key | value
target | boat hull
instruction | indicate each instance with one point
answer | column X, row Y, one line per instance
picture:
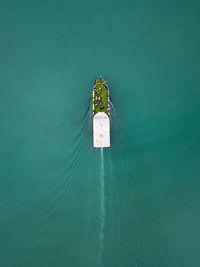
column 101, row 113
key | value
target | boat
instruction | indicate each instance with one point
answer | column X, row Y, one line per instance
column 101, row 113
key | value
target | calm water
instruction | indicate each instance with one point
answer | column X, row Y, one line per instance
column 63, row 203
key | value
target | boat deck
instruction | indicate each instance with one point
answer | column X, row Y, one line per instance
column 101, row 96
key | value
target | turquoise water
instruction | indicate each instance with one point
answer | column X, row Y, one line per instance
column 63, row 203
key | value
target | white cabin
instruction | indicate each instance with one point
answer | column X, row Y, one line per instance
column 101, row 130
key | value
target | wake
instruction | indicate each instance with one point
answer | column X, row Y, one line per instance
column 112, row 106
column 102, row 208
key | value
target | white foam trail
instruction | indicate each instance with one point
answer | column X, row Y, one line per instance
column 112, row 106
column 102, row 207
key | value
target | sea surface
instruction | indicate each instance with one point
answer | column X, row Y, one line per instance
column 64, row 203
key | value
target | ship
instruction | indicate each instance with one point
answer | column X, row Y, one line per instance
column 101, row 113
